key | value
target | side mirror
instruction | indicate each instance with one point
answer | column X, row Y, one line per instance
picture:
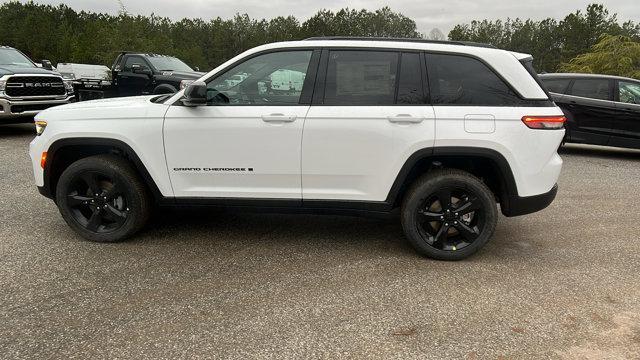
column 195, row 94
column 196, row 68
column 46, row 64
column 139, row 69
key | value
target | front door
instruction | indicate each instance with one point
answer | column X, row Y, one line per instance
column 245, row 143
column 131, row 83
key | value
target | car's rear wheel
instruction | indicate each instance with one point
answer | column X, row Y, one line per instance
column 102, row 198
column 449, row 214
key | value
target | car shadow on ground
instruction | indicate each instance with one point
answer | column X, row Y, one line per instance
column 599, row 151
column 15, row 130
column 209, row 229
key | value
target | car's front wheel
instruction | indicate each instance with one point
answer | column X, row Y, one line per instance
column 102, row 198
column 449, row 214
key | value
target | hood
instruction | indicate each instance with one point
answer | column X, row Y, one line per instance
column 16, row 69
column 112, row 108
column 184, row 75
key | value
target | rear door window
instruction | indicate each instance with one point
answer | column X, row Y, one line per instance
column 591, row 88
column 357, row 77
column 558, row 86
column 462, row 80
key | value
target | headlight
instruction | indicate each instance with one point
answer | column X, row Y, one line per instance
column 3, row 84
column 40, row 126
column 68, row 84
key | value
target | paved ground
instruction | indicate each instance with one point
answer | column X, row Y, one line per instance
column 562, row 283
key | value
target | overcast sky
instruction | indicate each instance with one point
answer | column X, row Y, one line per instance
column 427, row 14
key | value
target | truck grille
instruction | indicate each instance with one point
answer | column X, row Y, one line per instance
column 23, row 86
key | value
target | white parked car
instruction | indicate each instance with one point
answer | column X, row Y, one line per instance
column 442, row 131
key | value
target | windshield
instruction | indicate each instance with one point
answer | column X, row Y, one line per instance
column 168, row 63
column 14, row 57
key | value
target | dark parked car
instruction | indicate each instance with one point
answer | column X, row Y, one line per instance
column 141, row 74
column 600, row 109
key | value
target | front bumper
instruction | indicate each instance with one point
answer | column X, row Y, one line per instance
column 16, row 108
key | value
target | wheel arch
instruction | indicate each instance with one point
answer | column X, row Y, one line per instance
column 487, row 164
column 64, row 152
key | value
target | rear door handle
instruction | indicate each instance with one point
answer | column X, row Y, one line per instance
column 278, row 118
column 404, row 119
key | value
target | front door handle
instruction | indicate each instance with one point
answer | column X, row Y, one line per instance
column 404, row 119
column 278, row 118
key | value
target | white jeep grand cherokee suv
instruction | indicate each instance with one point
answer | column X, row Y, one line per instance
column 442, row 131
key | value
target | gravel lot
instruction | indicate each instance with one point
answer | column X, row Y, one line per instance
column 561, row 283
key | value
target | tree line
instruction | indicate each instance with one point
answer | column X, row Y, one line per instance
column 61, row 34
column 553, row 44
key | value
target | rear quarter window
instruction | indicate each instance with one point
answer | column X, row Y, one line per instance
column 462, row 80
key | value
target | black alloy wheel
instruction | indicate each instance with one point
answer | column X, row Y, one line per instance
column 97, row 202
column 103, row 199
column 448, row 214
column 450, row 219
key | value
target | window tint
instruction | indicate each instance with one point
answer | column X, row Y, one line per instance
column 462, row 80
column 591, row 88
column 629, row 92
column 269, row 79
column 558, row 86
column 361, row 78
column 410, row 80
column 133, row 60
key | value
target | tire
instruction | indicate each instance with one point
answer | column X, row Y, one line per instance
column 452, row 235
column 125, row 210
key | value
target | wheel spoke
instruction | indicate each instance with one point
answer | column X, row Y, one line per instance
column 441, row 236
column 444, row 196
column 94, row 221
column 113, row 191
column 115, row 214
column 469, row 206
column 91, row 179
column 77, row 200
column 430, row 216
column 467, row 232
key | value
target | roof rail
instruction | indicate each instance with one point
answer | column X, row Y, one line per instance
column 416, row 40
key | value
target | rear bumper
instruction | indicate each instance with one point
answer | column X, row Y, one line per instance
column 17, row 108
column 517, row 205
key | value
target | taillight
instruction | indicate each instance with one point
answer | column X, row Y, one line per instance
column 544, row 122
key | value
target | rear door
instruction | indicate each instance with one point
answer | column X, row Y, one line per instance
column 627, row 121
column 369, row 113
column 591, row 110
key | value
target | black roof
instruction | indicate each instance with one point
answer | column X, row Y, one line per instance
column 416, row 40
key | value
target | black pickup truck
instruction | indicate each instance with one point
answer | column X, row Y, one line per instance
column 134, row 73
